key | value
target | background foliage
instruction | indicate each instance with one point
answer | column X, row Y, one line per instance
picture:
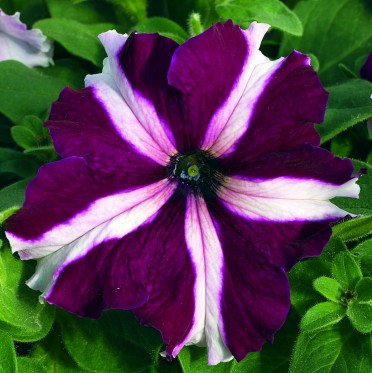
column 330, row 323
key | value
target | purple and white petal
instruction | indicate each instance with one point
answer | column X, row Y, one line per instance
column 67, row 200
column 206, row 255
column 30, row 47
column 275, row 112
column 88, row 123
column 255, row 293
column 148, row 270
column 284, row 199
column 305, row 162
column 134, row 112
column 212, row 70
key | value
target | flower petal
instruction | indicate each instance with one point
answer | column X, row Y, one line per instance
column 255, row 294
column 87, row 123
column 30, row 47
column 206, row 254
column 276, row 111
column 211, row 71
column 148, row 269
column 285, row 199
column 136, row 67
column 67, row 199
column 304, row 162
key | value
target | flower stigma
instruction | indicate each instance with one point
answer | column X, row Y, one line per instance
column 196, row 171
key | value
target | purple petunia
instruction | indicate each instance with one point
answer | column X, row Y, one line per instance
column 191, row 180
column 30, row 47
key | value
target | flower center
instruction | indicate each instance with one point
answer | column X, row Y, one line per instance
column 197, row 171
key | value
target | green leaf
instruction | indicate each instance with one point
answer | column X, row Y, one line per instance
column 273, row 12
column 349, row 103
column 88, row 12
column 95, row 348
column 322, row 315
column 14, row 162
column 325, row 25
column 21, row 314
column 11, row 198
column 51, row 354
column 77, row 38
column 8, row 362
column 164, row 27
column 24, row 91
column 363, row 252
column 337, row 349
column 353, row 229
column 23, row 137
column 346, row 271
column 364, row 290
column 362, row 205
column 195, row 24
column 68, row 70
column 329, row 288
column 360, row 315
column 134, row 11
column 29, row 365
column 194, row 359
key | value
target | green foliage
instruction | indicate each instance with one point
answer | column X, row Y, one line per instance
column 8, row 363
column 21, row 314
column 329, row 288
column 360, row 311
column 349, row 104
column 332, row 293
column 273, row 12
column 164, row 27
column 24, row 91
column 332, row 350
column 346, row 270
column 98, row 345
column 322, row 315
column 79, row 39
column 362, row 205
column 336, row 31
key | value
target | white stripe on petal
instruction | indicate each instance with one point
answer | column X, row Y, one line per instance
column 99, row 212
column 49, row 268
column 206, row 254
column 285, row 198
column 138, row 121
column 232, row 119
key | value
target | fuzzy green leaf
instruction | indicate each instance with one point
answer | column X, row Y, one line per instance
column 322, row 315
column 353, row 229
column 349, row 103
column 332, row 350
column 329, row 288
column 8, row 362
column 360, row 315
column 273, row 12
column 29, row 365
column 346, row 270
column 364, row 290
column 23, row 137
column 363, row 252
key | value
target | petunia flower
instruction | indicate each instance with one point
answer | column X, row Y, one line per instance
column 191, row 181
column 30, row 47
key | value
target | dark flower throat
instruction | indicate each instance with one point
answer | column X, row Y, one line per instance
column 196, row 171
